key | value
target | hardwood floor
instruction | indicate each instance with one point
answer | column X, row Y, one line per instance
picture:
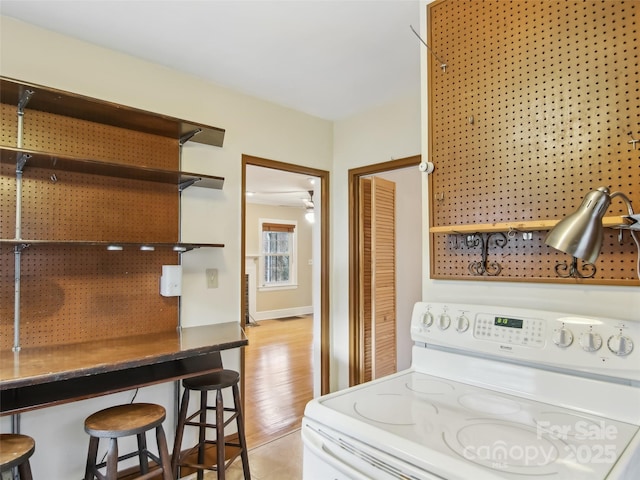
column 278, row 377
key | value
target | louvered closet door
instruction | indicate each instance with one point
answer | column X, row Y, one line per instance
column 383, row 277
column 377, row 278
column 365, row 293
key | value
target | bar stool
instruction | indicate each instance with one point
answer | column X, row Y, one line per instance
column 124, row 421
column 15, row 451
column 214, row 381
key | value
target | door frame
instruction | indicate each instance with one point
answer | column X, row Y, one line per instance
column 325, row 276
column 356, row 327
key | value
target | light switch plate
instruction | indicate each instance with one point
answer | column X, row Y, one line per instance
column 212, row 277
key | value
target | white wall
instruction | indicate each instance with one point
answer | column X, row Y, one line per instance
column 253, row 127
column 385, row 133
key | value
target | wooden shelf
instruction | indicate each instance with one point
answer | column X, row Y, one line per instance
column 115, row 245
column 45, row 99
column 97, row 167
column 524, row 226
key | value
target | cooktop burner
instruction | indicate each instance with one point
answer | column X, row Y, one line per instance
column 506, row 447
column 430, row 387
column 394, row 409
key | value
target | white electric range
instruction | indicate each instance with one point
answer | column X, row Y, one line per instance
column 492, row 393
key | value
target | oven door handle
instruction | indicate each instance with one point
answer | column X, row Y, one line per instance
column 356, row 460
column 316, row 443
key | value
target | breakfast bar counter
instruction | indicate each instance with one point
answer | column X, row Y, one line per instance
column 44, row 376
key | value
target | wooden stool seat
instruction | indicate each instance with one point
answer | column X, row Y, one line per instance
column 123, row 421
column 15, row 451
column 217, row 382
column 212, row 381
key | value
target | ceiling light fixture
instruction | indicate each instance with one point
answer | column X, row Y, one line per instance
column 310, row 213
column 581, row 233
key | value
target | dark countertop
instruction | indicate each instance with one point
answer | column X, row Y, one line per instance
column 36, row 377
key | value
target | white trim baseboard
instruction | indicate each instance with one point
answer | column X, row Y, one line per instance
column 283, row 313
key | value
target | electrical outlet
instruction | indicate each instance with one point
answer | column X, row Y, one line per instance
column 212, row 277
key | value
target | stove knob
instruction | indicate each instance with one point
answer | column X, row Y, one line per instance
column 427, row 319
column 590, row 341
column 563, row 337
column 462, row 323
column 620, row 344
column 444, row 321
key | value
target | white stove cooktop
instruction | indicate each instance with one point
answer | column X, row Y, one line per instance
column 416, row 414
column 493, row 393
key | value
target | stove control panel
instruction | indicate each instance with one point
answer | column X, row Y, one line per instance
column 593, row 344
column 530, row 332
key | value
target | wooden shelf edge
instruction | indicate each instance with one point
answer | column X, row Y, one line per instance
column 625, row 282
column 524, row 226
column 177, row 247
column 37, row 159
column 47, row 99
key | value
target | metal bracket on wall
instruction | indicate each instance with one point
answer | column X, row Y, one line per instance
column 484, row 267
column 572, row 271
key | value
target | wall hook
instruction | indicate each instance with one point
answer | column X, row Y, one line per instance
column 633, row 141
column 443, row 65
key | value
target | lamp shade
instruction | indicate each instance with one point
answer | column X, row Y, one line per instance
column 580, row 234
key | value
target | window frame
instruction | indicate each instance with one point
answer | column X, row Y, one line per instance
column 292, row 283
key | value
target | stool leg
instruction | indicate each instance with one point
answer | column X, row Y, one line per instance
column 202, row 432
column 220, row 435
column 163, row 453
column 112, row 460
column 142, row 453
column 91, row 458
column 177, row 446
column 25, row 471
column 240, row 423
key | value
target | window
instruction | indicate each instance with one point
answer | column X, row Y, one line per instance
column 278, row 240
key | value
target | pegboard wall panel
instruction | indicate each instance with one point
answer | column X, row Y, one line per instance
column 47, row 132
column 8, row 124
column 71, row 293
column 77, row 294
column 78, row 206
column 7, row 201
column 537, row 107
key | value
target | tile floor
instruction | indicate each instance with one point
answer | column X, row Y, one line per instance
column 279, row 459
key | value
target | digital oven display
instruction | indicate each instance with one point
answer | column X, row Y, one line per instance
column 508, row 322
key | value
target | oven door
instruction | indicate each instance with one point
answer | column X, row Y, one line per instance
column 330, row 455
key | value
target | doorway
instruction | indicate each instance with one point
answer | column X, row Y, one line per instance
column 251, row 267
column 357, row 302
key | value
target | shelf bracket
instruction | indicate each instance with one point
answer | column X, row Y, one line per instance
column 187, row 183
column 572, row 271
column 24, row 99
column 484, row 267
column 189, row 135
column 21, row 161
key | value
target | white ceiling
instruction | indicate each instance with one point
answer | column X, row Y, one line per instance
column 328, row 58
column 275, row 187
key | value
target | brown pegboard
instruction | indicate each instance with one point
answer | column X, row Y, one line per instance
column 76, row 294
column 73, row 293
column 535, row 109
column 9, row 125
column 95, row 208
column 47, row 132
